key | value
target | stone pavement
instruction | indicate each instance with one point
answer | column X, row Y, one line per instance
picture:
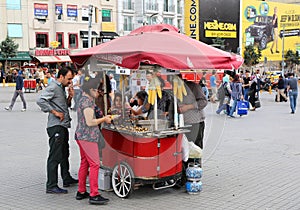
column 250, row 162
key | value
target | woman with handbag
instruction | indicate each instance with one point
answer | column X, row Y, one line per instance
column 87, row 135
column 252, row 92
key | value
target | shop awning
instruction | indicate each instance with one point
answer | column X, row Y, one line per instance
column 53, row 59
column 21, row 56
column 108, row 34
column 85, row 34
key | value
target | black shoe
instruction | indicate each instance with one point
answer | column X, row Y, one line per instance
column 277, row 51
column 292, row 112
column 271, row 51
column 98, row 199
column 56, row 190
column 70, row 181
column 80, row 196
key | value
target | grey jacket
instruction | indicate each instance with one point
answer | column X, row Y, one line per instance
column 54, row 98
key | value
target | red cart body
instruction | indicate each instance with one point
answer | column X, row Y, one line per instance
column 150, row 158
column 29, row 84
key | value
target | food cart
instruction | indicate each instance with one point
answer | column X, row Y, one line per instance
column 150, row 152
column 29, row 81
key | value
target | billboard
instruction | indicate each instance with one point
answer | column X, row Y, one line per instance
column 219, row 23
column 271, row 26
column 214, row 22
column 192, row 19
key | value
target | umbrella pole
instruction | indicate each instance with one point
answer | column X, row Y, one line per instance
column 155, row 113
column 105, row 93
column 175, row 113
column 123, row 95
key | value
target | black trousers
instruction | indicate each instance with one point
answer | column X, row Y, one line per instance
column 58, row 155
column 197, row 133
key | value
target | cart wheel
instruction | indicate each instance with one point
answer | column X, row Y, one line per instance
column 122, row 180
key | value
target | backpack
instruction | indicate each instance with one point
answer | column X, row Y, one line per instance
column 226, row 91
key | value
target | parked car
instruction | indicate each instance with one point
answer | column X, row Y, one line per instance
column 261, row 30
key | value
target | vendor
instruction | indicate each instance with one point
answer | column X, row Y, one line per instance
column 143, row 106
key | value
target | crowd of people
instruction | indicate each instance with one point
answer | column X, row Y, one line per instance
column 246, row 87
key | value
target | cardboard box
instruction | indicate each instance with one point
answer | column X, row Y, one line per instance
column 104, row 179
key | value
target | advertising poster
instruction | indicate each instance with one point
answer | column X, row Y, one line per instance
column 40, row 10
column 72, row 10
column 271, row 26
column 219, row 23
column 192, row 19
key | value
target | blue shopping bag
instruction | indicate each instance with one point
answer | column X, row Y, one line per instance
column 242, row 107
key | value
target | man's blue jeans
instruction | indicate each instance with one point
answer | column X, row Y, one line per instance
column 205, row 91
column 293, row 99
column 246, row 90
column 233, row 108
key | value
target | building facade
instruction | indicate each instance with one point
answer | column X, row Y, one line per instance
column 135, row 13
column 41, row 26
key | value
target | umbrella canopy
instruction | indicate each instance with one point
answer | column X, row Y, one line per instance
column 168, row 49
column 155, row 28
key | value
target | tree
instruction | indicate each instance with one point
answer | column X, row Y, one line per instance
column 9, row 49
column 252, row 55
column 291, row 59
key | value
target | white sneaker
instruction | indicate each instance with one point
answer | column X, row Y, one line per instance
column 23, row 110
column 7, row 109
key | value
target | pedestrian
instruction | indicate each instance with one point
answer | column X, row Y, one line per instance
column 203, row 85
column 252, row 92
column 236, row 93
column 246, row 84
column 53, row 100
column 292, row 89
column 87, row 135
column 224, row 98
column 76, row 86
column 281, row 89
column 213, row 85
column 18, row 91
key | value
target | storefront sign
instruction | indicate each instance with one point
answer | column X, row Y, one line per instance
column 51, row 52
column 40, row 9
column 72, row 10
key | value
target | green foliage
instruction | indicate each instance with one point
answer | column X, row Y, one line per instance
column 252, row 55
column 291, row 58
column 8, row 48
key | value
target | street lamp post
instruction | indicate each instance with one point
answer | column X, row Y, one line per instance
column 90, row 26
column 282, row 62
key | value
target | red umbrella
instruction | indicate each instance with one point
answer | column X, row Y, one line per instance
column 168, row 49
column 154, row 28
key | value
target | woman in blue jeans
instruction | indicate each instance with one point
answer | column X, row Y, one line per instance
column 236, row 93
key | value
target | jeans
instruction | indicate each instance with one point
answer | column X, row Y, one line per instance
column 233, row 108
column 246, row 90
column 205, row 91
column 223, row 107
column 15, row 96
column 293, row 99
